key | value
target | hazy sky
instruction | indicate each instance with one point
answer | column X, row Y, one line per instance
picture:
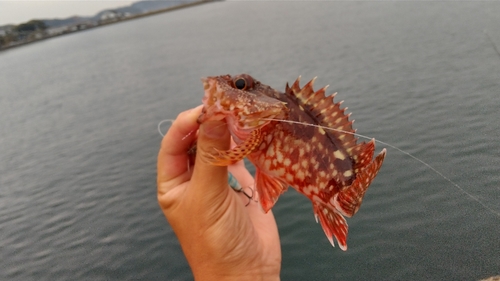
column 19, row 11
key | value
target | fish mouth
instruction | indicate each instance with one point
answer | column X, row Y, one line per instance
column 211, row 107
column 206, row 82
column 206, row 88
column 250, row 122
column 242, row 127
column 240, row 123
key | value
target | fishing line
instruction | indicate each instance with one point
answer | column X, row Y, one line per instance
column 398, row 149
column 172, row 121
column 163, row 121
column 492, row 42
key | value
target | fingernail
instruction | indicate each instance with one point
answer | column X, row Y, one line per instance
column 214, row 129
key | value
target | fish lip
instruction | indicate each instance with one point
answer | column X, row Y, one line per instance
column 206, row 82
column 207, row 86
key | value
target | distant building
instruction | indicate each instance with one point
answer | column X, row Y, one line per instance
column 39, row 35
column 6, row 29
column 111, row 16
column 57, row 30
column 69, row 28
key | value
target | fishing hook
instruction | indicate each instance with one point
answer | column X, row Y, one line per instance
column 235, row 185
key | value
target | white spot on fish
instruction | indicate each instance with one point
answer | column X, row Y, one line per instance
column 267, row 164
column 308, row 147
column 339, row 155
column 270, row 150
column 278, row 143
column 307, row 191
column 262, row 158
column 279, row 156
column 322, row 185
column 281, row 171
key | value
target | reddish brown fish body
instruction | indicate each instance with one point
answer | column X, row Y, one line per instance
column 277, row 132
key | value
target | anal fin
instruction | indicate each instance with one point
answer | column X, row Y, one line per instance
column 228, row 157
column 269, row 189
column 333, row 224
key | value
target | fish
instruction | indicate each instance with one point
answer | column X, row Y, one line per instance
column 284, row 135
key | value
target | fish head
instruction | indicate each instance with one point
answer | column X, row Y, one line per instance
column 244, row 102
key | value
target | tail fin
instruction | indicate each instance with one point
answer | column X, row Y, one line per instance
column 333, row 224
column 349, row 200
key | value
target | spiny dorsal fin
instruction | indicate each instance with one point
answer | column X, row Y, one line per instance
column 326, row 112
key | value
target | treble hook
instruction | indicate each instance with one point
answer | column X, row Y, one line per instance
column 235, row 185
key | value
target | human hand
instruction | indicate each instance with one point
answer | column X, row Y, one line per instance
column 221, row 238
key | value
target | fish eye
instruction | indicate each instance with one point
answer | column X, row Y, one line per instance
column 240, row 83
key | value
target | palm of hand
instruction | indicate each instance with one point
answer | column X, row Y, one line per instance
column 218, row 234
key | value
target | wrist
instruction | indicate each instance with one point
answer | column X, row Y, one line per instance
column 245, row 269
column 236, row 276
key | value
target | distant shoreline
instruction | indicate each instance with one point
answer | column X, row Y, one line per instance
column 182, row 6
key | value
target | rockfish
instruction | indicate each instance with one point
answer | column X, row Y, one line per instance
column 285, row 136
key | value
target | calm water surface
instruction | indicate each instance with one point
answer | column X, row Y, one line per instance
column 78, row 139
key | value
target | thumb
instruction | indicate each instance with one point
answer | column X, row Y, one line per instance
column 208, row 179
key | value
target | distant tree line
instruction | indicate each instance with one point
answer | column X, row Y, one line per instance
column 23, row 32
column 32, row 25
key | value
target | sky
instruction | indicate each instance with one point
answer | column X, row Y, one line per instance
column 19, row 11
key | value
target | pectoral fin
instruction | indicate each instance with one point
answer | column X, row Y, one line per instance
column 268, row 189
column 228, row 157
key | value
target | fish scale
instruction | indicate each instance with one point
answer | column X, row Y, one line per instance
column 276, row 132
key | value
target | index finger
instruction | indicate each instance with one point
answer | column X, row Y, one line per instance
column 173, row 157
